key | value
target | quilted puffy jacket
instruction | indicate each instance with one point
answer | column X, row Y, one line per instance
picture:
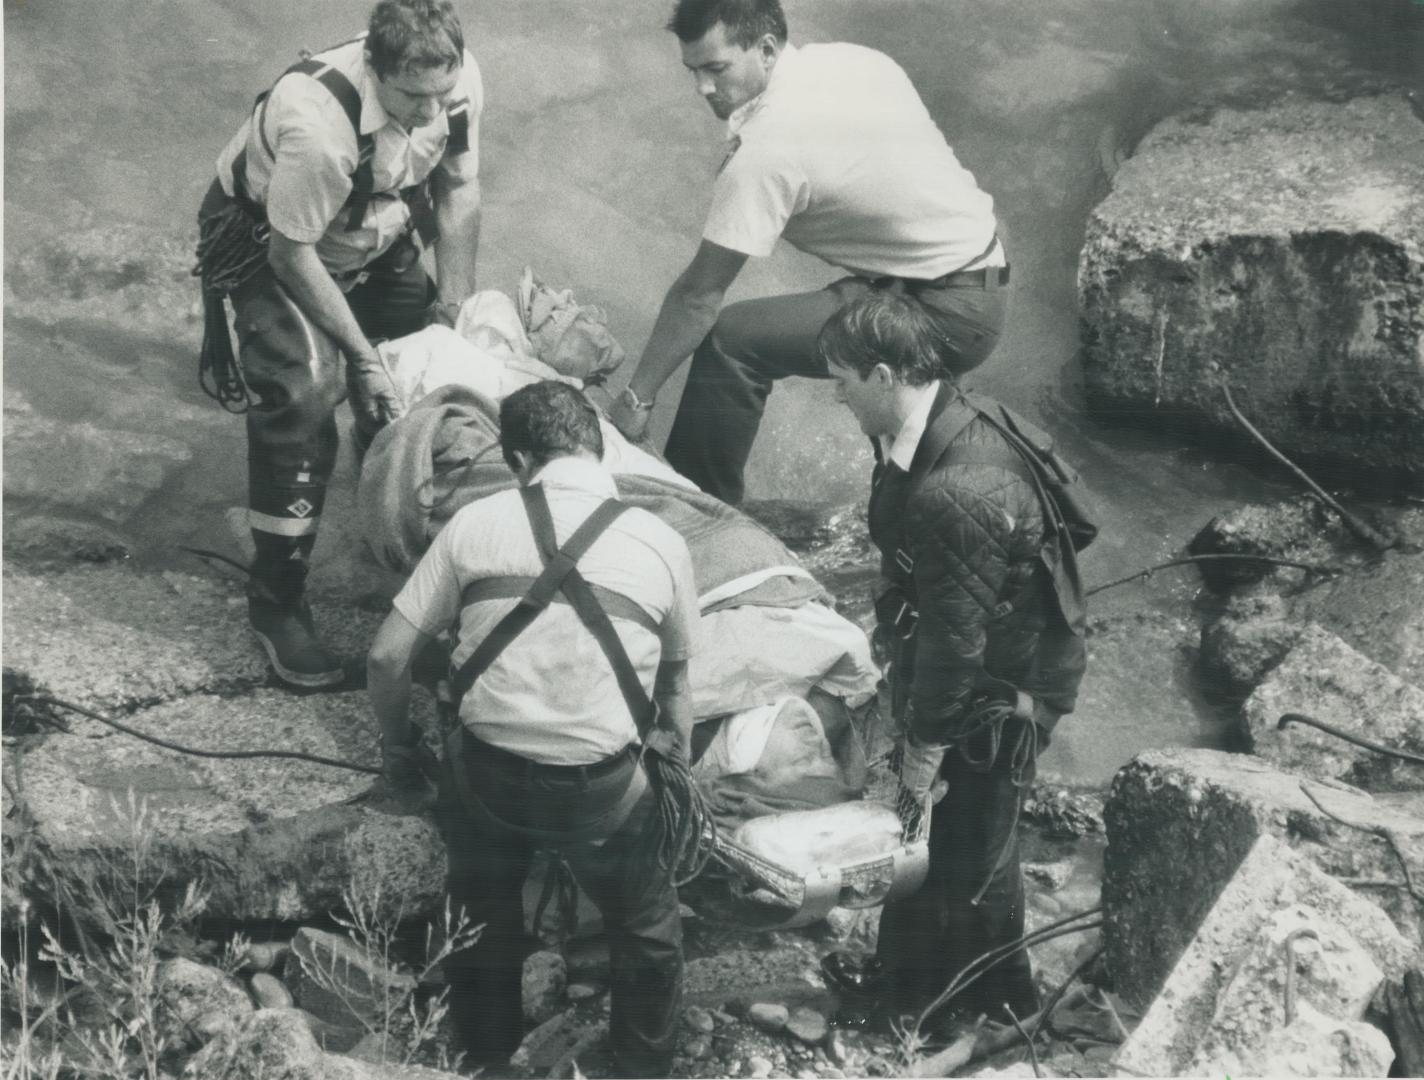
column 972, row 534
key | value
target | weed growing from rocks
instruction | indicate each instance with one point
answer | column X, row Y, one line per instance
column 377, row 990
column 113, row 1021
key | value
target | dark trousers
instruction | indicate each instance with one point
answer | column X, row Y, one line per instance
column 756, row 342
column 929, row 937
column 297, row 377
column 487, row 869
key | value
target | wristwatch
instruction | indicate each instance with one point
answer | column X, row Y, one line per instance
column 630, row 398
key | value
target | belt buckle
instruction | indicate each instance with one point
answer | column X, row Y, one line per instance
column 904, row 561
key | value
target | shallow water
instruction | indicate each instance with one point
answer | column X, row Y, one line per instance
column 597, row 157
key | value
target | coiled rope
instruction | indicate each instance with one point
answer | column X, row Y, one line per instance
column 232, row 247
column 688, row 833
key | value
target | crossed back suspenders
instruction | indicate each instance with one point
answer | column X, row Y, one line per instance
column 363, row 181
column 561, row 576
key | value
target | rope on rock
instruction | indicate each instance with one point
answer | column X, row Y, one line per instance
column 1314, row 568
column 1373, row 537
column 293, row 755
column 1310, row 721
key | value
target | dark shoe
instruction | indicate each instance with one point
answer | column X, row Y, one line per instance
column 851, row 974
column 288, row 638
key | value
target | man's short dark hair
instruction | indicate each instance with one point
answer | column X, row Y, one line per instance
column 547, row 420
column 414, row 36
column 747, row 21
column 884, row 328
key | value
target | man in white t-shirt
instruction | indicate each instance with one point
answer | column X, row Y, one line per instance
column 832, row 148
column 547, row 752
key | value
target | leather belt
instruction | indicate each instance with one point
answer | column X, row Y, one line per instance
column 968, row 279
column 507, row 759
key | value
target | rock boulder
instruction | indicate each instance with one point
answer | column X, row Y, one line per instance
column 1280, row 249
column 1180, row 822
column 1322, row 677
column 269, row 838
column 1213, row 1001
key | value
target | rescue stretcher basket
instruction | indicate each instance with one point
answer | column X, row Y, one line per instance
column 783, row 897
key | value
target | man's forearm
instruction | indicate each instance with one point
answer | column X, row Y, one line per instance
column 301, row 271
column 457, row 214
column 683, row 321
column 389, row 691
column 673, row 693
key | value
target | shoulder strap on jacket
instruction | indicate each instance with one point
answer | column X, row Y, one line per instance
column 558, row 565
column 954, row 415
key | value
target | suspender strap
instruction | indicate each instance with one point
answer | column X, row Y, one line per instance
column 955, row 415
column 458, row 119
column 589, row 611
column 557, row 567
column 616, row 604
column 363, row 180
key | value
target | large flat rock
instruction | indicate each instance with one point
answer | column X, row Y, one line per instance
column 1280, row 249
column 118, row 637
column 269, row 838
column 1180, row 822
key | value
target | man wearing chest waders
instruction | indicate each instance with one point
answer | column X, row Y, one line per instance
column 351, row 165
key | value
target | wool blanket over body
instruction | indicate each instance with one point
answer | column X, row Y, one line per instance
column 445, row 453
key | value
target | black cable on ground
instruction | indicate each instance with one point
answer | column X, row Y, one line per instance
column 1350, row 737
column 1373, row 537
column 1314, row 568
column 293, row 755
column 986, row 960
column 1046, row 1013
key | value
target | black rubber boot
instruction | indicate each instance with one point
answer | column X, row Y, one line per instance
column 281, row 619
column 287, row 636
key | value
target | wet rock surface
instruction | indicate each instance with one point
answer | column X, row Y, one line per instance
column 1278, row 249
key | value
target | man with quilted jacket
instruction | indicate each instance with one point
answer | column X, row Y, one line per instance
column 982, row 658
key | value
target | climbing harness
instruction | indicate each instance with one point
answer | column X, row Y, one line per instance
column 233, row 231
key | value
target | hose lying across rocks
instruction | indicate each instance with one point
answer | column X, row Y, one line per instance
column 294, row 755
column 1300, row 718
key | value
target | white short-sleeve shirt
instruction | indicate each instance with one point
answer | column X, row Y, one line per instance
column 840, row 156
column 551, row 696
column 301, row 159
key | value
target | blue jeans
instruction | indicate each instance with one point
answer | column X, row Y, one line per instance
column 756, row 342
